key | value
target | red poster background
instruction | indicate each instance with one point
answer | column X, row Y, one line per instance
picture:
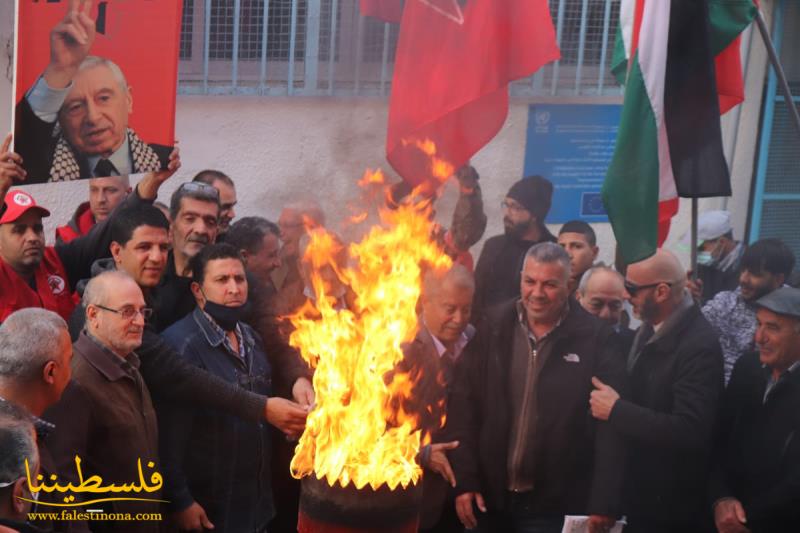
column 141, row 36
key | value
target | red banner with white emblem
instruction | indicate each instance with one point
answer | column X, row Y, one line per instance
column 454, row 61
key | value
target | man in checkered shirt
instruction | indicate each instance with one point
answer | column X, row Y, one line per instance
column 765, row 266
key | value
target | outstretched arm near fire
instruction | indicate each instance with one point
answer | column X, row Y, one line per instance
column 463, row 425
column 434, row 458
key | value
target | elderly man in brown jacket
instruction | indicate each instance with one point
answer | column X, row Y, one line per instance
column 105, row 416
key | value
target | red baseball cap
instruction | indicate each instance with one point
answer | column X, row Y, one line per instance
column 17, row 204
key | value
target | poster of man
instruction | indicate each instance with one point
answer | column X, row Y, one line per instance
column 80, row 67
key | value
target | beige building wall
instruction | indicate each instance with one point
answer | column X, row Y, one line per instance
column 278, row 148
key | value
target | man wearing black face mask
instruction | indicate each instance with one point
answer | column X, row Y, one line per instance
column 215, row 338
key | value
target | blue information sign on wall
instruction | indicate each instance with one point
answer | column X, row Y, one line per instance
column 572, row 146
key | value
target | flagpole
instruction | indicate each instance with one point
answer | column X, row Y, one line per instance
column 693, row 235
column 776, row 64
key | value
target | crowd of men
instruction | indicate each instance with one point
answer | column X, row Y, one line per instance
column 148, row 339
column 146, row 346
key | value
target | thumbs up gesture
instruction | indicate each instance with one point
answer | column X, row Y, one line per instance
column 602, row 399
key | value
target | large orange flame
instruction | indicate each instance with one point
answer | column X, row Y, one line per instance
column 358, row 431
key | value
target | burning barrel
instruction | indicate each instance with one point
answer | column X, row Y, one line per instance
column 361, row 432
column 334, row 509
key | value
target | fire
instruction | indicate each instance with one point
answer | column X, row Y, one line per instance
column 440, row 168
column 357, row 431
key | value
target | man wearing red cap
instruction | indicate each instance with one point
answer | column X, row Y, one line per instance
column 35, row 275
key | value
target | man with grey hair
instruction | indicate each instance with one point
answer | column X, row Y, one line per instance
column 35, row 356
column 757, row 453
column 106, row 416
column 73, row 123
column 676, row 381
column 444, row 332
column 527, row 453
column 601, row 291
column 18, row 456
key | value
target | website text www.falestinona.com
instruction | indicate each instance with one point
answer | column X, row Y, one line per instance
column 74, row 515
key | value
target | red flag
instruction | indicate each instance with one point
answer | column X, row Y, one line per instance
column 385, row 10
column 730, row 84
column 454, row 61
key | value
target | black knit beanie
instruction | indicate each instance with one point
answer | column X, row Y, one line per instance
column 534, row 193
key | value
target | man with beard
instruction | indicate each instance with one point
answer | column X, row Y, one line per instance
column 765, row 266
column 194, row 212
column 105, row 415
column 227, row 197
column 497, row 273
column 675, row 368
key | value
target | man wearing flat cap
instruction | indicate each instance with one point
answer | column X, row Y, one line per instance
column 497, row 273
column 755, row 486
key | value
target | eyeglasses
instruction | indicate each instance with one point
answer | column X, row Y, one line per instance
column 633, row 288
column 129, row 312
column 511, row 207
column 200, row 187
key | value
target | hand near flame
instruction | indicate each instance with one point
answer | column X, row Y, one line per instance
column 464, row 503
column 286, row 415
column 436, row 460
column 303, row 392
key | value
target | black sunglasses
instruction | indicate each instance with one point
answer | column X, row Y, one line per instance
column 633, row 288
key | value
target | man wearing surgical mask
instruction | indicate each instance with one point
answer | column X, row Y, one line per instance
column 216, row 466
column 718, row 256
column 765, row 266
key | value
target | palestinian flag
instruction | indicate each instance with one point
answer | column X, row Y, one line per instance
column 728, row 19
column 669, row 142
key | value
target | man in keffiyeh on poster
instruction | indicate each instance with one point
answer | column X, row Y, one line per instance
column 73, row 123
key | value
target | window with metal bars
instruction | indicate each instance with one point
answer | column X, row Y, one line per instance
column 350, row 54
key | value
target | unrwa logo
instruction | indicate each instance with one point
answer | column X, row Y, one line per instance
column 542, row 118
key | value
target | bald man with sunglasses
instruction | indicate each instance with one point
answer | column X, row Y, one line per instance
column 676, row 381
